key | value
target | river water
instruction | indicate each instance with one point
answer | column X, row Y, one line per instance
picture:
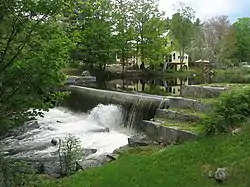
column 59, row 122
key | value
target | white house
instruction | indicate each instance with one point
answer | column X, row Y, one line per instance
column 176, row 60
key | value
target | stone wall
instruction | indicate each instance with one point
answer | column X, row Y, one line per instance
column 185, row 103
column 167, row 135
column 170, row 114
column 197, row 91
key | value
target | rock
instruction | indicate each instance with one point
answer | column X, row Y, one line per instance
column 85, row 73
column 23, row 148
column 33, row 125
column 50, row 129
column 106, row 129
column 211, row 174
column 88, row 152
column 139, row 140
column 121, row 149
column 220, row 175
column 54, row 142
column 21, row 131
column 93, row 162
column 52, row 169
column 236, row 131
column 113, row 156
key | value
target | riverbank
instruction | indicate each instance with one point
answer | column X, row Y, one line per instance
column 185, row 165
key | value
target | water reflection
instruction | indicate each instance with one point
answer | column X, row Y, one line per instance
column 149, row 85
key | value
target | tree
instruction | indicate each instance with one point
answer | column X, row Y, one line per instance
column 34, row 48
column 197, row 48
column 220, row 39
column 242, row 30
column 150, row 26
column 123, row 31
column 182, row 29
column 95, row 41
column 69, row 152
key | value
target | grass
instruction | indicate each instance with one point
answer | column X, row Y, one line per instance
column 185, row 165
column 188, row 111
column 192, row 127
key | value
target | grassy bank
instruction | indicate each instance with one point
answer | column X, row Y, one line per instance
column 184, row 165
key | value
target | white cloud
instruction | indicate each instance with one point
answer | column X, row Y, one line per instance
column 205, row 8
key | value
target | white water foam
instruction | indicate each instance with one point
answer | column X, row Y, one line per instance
column 59, row 122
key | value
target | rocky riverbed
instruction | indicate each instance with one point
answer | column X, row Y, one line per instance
column 100, row 132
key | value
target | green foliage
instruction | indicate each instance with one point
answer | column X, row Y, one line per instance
column 123, row 29
column 70, row 152
column 230, row 111
column 242, row 29
column 232, row 75
column 150, row 27
column 34, row 48
column 182, row 29
column 93, row 32
column 16, row 173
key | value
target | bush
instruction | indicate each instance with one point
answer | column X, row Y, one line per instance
column 70, row 152
column 230, row 111
column 233, row 75
column 16, row 173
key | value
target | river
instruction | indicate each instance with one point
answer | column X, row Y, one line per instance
column 57, row 123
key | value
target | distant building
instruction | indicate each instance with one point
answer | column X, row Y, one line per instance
column 176, row 60
column 173, row 61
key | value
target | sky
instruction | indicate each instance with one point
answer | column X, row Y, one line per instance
column 209, row 8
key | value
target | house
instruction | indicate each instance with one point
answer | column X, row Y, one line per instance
column 176, row 61
column 173, row 61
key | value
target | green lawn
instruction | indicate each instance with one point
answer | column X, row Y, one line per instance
column 194, row 127
column 183, row 165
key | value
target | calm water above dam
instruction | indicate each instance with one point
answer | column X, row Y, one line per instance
column 171, row 86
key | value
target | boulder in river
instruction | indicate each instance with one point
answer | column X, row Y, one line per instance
column 139, row 140
column 33, row 125
column 54, row 142
column 106, row 129
column 88, row 152
column 52, row 169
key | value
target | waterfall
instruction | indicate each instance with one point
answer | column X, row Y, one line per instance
column 59, row 122
column 135, row 106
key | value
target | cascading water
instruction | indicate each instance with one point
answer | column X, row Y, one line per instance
column 57, row 123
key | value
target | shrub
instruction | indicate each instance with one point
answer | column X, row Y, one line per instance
column 16, row 173
column 230, row 111
column 70, row 152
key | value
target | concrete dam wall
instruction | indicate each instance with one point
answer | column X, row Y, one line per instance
column 136, row 106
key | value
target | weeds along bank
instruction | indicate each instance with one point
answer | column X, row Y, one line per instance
column 230, row 111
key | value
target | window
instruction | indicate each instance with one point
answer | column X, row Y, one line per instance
column 174, row 56
column 178, row 57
